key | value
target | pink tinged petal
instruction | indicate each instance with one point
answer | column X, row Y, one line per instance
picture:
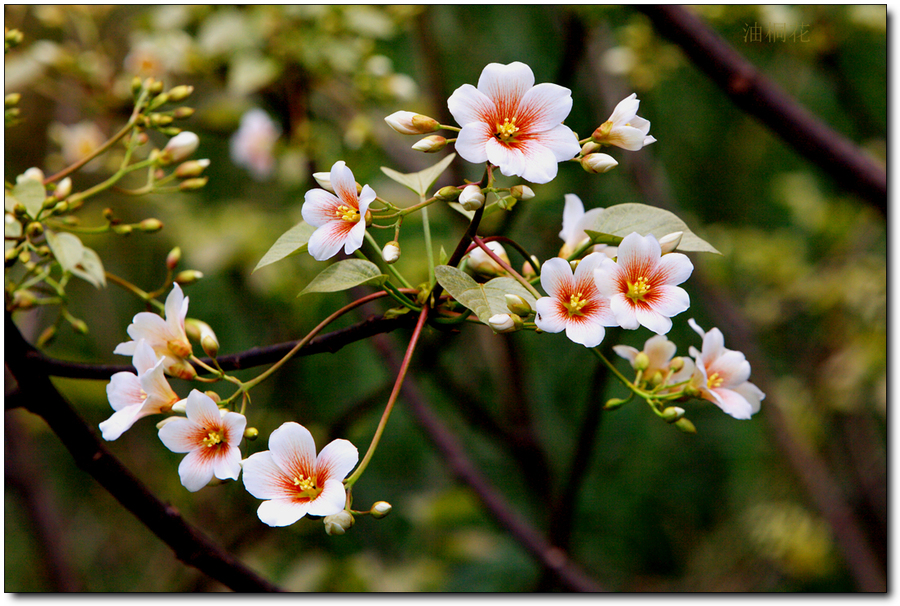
column 469, row 105
column 626, row 137
column 625, row 110
column 510, row 160
column 606, row 278
column 544, row 107
column 733, row 403
column 281, row 512
column 355, row 237
column 624, row 311
column 556, row 276
column 195, row 470
column 319, row 207
column 626, row 352
column 120, row 422
column 472, row 140
column 653, row 320
column 585, row 331
column 202, row 410
column 126, row 349
column 561, row 142
column 227, row 463
column 675, row 268
column 343, row 184
column 331, row 500
column 669, row 300
column 144, row 357
column 572, row 213
column 336, row 460
column 505, row 85
column 151, row 327
column 713, row 346
column 660, row 350
column 732, row 367
column 123, row 390
column 293, row 450
column 366, row 197
column 328, row 239
column 752, row 394
column 264, row 479
column 550, row 315
column 181, row 435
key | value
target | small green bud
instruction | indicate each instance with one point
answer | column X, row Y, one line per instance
column 61, row 208
column 173, row 258
column 180, row 93
column 507, row 203
column 183, row 112
column 24, row 256
column 155, row 87
column 160, row 119
column 338, row 523
column 191, row 184
column 641, row 361
column 11, row 100
column 157, row 101
column 517, row 305
column 448, row 193
column 136, row 85
column 123, row 229
column 79, row 325
column 691, row 391
column 210, row 345
column 686, row 426
column 148, row 226
column 521, row 192
column 251, row 433
column 23, row 299
column 673, row 414
column 188, row 276
column 380, row 509
column 46, row 336
column 191, row 168
column 43, row 250
column 19, row 211
column 614, row 403
column 676, row 364
column 34, row 229
column 170, row 131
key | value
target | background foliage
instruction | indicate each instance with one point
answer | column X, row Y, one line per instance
column 803, row 269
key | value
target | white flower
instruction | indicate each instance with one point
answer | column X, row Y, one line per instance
column 253, row 143
column 721, row 376
column 659, row 351
column 574, row 304
column 79, row 141
column 574, row 222
column 641, row 285
column 625, row 128
column 210, row 438
column 471, row 197
column 339, row 216
column 137, row 396
column 513, row 124
column 167, row 338
column 293, row 481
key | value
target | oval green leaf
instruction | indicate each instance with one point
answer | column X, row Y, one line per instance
column 343, row 275
column 293, row 241
column 622, row 219
column 421, row 181
column 485, row 300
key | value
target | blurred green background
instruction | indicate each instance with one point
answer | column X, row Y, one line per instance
column 802, row 271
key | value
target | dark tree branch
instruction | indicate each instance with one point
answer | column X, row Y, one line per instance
column 34, row 392
column 760, row 97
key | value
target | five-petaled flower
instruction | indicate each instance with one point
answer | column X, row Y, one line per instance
column 659, row 351
column 167, row 338
column 209, row 437
column 513, row 124
column 625, row 128
column 641, row 284
column 340, row 216
column 574, row 304
column 293, row 481
column 136, row 396
column 721, row 375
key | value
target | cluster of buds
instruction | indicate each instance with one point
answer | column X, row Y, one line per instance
column 411, row 123
column 162, row 120
column 519, row 311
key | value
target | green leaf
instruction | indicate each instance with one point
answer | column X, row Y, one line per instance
column 622, row 219
column 421, row 181
column 291, row 242
column 31, row 193
column 90, row 268
column 76, row 258
column 485, row 300
column 345, row 274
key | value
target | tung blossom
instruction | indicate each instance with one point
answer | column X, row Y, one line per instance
column 659, row 351
column 293, row 481
column 574, row 303
column 625, row 128
column 513, row 124
column 721, row 375
column 253, row 143
column 641, row 284
column 136, row 396
column 210, row 440
column 339, row 216
column 167, row 338
column 575, row 220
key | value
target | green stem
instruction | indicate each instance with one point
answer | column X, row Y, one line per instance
column 426, row 228
column 350, row 481
column 390, row 268
column 507, row 267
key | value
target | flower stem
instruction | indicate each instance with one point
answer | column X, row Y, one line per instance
column 423, row 315
column 507, row 267
column 426, row 228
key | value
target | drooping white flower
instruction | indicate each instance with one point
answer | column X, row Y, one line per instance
column 575, row 221
column 721, row 375
column 134, row 396
column 252, row 145
column 293, row 481
column 574, row 303
column 513, row 124
column 339, row 216
column 625, row 128
column 641, row 284
column 210, row 440
column 167, row 338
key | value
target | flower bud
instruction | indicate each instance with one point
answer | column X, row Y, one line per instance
column 180, row 146
column 173, row 258
column 46, row 336
column 188, row 276
column 602, row 132
column 182, row 370
column 154, row 86
column 183, row 112
column 528, row 268
column 148, row 226
column 61, row 208
column 161, row 119
column 122, row 230
column 166, row 421
column 590, row 147
column 180, row 406
column 430, row 144
column 34, row 229
column 380, row 509
column 676, row 364
column 215, row 397
column 673, row 414
column 158, row 101
column 23, row 299
column 191, row 168
column 63, row 188
column 338, row 523
column 614, row 403
column 641, row 361
column 448, row 193
column 598, row 163
column 691, row 391
column 251, row 433
column 410, row 123
column 471, row 197
column 505, row 323
column 324, row 181
column 195, row 183
column 686, row 426
column 11, row 100
column 136, row 85
column 33, row 173
column 670, row 242
column 517, row 305
column 521, row 192
column 391, row 252
column 480, row 263
column 180, row 93
column 208, row 340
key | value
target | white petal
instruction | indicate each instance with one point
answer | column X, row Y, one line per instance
column 469, row 105
column 659, row 350
column 331, row 500
column 572, row 213
column 626, row 137
column 675, row 268
column 713, row 346
column 366, row 197
column 652, row 319
column 638, row 251
column 623, row 310
column 585, row 270
column 179, row 435
column 319, row 207
column 556, row 276
column 123, row 390
column 585, row 331
column 151, row 327
column 732, row 367
column 693, row 324
column 733, row 403
column 233, row 425
column 670, row 300
column 281, row 512
column 472, row 140
column 752, row 394
column 144, row 357
column 540, row 164
column 336, row 460
column 293, row 449
column 641, row 124
column 175, row 304
column 194, row 470
column 227, row 465
column 625, row 110
column 550, row 315
column 126, row 349
column 354, row 238
column 327, row 240
column 544, row 107
column 605, row 277
column 505, row 85
column 627, row 352
column 119, row 422
column 510, row 160
column 561, row 142
column 264, row 479
column 343, row 184
column 202, row 410
column 159, row 393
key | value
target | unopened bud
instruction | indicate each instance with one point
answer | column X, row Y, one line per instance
column 324, row 181
column 521, row 192
column 670, row 242
column 154, row 86
column 191, row 168
column 614, row 403
column 641, row 361
column 180, row 146
column 180, row 406
column 391, row 252
column 448, row 193
column 63, row 188
column 11, row 100
column 590, row 147
column 673, row 414
column 23, row 299
column 210, row 345
column 183, row 112
column 170, row 131
column 148, row 226
column 34, row 229
column 430, row 144
column 33, row 173
column 686, row 426
column 517, row 305
column 188, row 276
column 136, row 85
column 173, row 258
column 691, row 391
column 410, row 123
column 79, row 325
column 598, row 163
column 471, row 197
column 161, row 119
column 380, row 509
column 602, row 132
column 166, row 421
column 122, row 230
column 505, row 323
column 61, row 208
column 676, row 364
column 46, row 336
column 507, row 202
column 481, row 263
column 191, row 184
column 182, row 370
column 251, row 433
column 338, row 523
column 158, row 101
column 180, row 93
column 108, row 214
column 528, row 268
column 215, row 397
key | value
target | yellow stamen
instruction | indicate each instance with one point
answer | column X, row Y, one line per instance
column 637, row 290
column 714, row 381
column 508, row 130
column 213, row 438
column 307, row 486
column 575, row 304
column 347, row 213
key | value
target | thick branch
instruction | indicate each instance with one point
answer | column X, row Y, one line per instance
column 36, row 393
column 758, row 96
